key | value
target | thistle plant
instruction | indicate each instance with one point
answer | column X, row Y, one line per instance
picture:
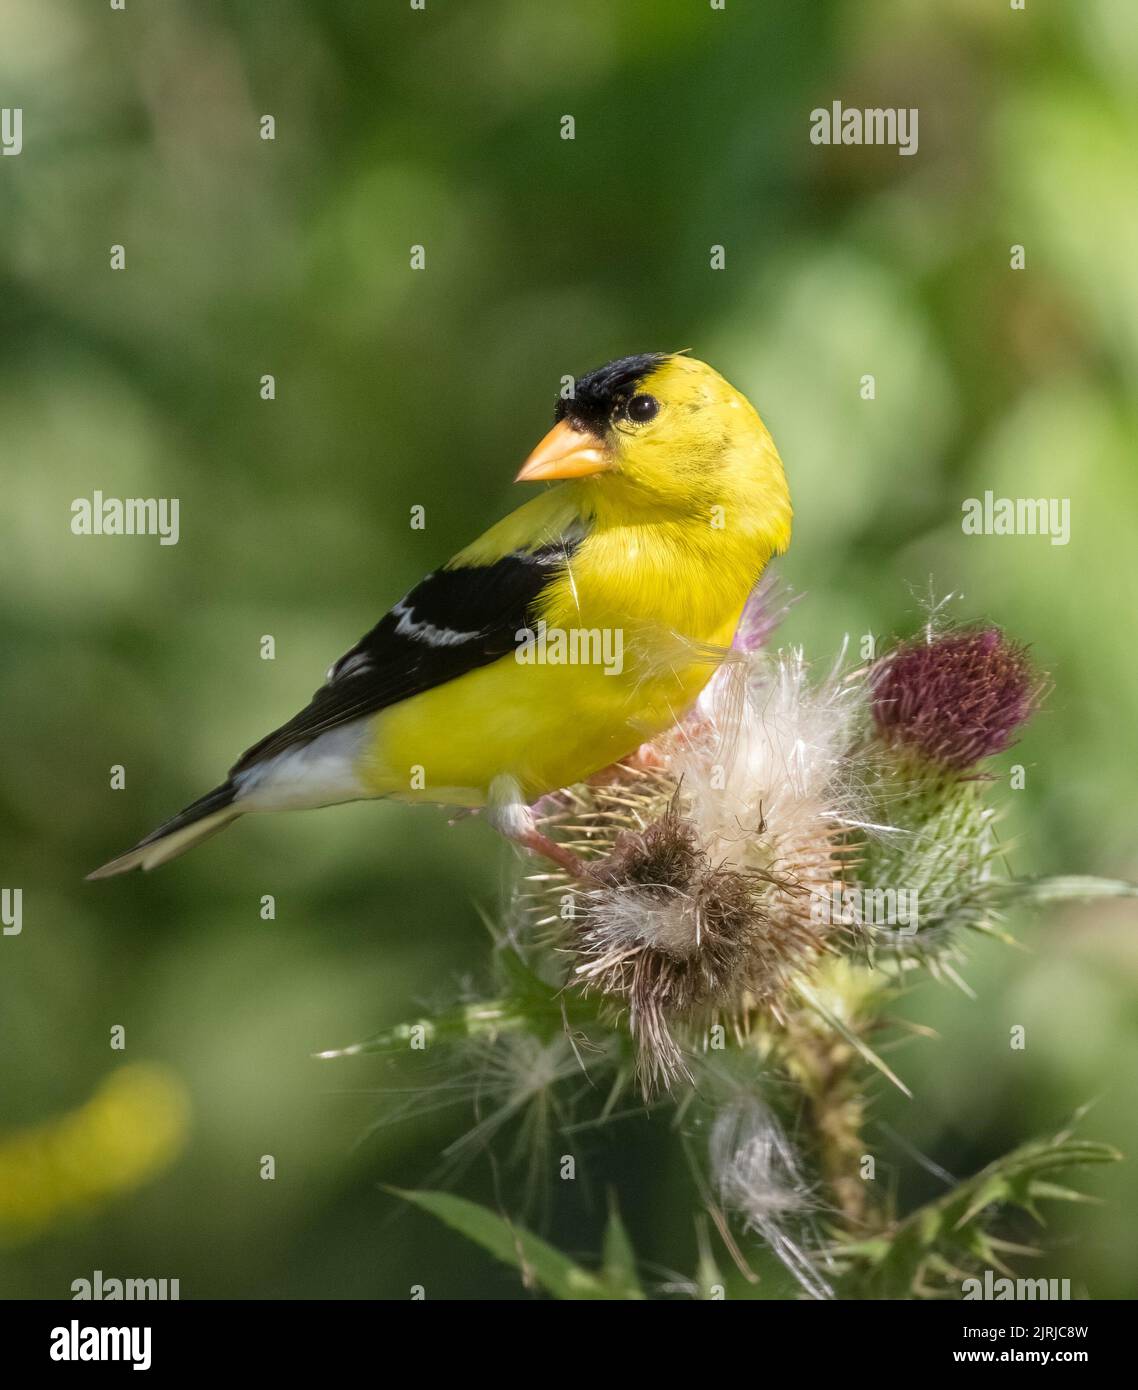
column 761, row 884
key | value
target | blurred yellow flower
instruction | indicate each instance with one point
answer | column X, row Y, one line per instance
column 131, row 1129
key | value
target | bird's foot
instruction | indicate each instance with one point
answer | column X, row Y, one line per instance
column 511, row 817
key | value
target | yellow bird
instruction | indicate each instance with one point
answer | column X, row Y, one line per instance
column 582, row 624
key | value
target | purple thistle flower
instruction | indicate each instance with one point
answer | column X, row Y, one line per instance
column 956, row 698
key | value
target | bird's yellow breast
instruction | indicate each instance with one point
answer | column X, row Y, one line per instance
column 633, row 630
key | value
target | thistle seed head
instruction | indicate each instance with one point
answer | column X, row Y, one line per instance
column 679, row 938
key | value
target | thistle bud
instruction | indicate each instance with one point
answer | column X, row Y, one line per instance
column 954, row 699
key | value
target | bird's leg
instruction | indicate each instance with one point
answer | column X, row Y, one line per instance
column 557, row 854
column 511, row 817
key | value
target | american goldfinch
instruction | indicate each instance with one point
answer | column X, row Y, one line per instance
column 582, row 624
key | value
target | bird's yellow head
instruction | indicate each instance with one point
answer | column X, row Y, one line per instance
column 662, row 434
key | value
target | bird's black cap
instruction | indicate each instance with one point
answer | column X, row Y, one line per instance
column 597, row 394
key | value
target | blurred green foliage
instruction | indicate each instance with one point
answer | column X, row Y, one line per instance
column 396, row 388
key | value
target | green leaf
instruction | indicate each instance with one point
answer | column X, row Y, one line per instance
column 487, row 1018
column 538, row 1261
column 527, row 1003
column 955, row 1226
column 1070, row 888
column 619, row 1260
column 709, row 1282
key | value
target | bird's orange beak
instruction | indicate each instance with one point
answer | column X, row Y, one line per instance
column 565, row 452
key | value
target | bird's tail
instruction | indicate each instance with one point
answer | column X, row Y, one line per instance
column 205, row 817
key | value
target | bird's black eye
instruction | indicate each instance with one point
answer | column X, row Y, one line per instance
column 642, row 408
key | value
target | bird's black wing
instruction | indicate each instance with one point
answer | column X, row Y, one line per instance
column 453, row 621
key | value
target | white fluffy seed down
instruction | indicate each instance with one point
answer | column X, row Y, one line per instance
column 767, row 748
column 717, row 842
column 664, row 923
